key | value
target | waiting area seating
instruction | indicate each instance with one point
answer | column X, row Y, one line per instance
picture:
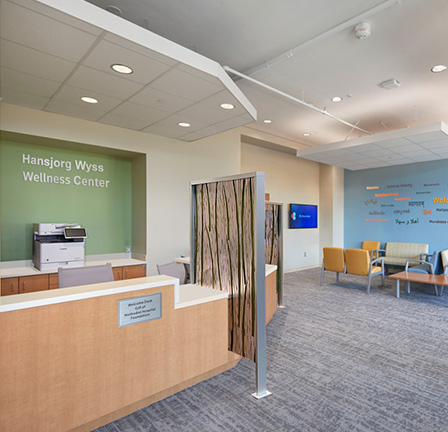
column 398, row 253
column 428, row 264
column 372, row 246
column 351, row 261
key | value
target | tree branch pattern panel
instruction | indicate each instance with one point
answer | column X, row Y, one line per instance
column 225, row 253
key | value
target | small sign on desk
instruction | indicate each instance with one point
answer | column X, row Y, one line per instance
column 139, row 309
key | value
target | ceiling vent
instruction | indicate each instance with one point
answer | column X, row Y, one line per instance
column 390, row 84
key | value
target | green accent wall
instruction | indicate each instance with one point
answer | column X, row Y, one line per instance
column 99, row 200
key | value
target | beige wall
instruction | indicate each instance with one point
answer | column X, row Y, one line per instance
column 288, row 179
column 171, row 165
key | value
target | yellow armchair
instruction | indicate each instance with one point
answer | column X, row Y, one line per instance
column 372, row 246
column 358, row 262
column 334, row 261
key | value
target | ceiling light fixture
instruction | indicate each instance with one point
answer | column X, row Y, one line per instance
column 267, row 121
column 89, row 100
column 336, row 99
column 184, row 124
column 114, row 10
column 306, row 134
column 227, row 106
column 438, row 68
column 121, row 68
column 390, row 84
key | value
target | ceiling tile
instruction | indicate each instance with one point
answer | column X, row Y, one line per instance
column 199, row 74
column 426, row 158
column 225, row 96
column 105, row 54
column 27, row 83
column 160, row 100
column 32, row 29
column 23, row 99
column 399, row 142
column 60, row 107
column 185, row 85
column 410, row 147
column 191, row 137
column 124, row 122
column 205, row 113
column 33, row 62
column 72, row 95
column 140, row 112
column 234, row 122
column 435, row 144
column 158, row 129
column 173, row 120
column 129, row 45
column 104, row 83
column 427, row 137
column 418, row 153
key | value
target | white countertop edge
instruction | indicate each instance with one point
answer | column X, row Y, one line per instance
column 270, row 268
column 192, row 295
column 61, row 298
column 25, row 270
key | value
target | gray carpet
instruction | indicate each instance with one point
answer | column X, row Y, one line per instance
column 338, row 360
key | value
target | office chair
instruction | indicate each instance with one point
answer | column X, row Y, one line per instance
column 74, row 276
column 170, row 269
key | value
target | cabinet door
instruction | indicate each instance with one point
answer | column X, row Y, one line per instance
column 53, row 281
column 118, row 273
column 10, row 286
column 33, row 283
column 135, row 271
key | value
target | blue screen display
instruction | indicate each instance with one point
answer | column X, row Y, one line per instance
column 302, row 216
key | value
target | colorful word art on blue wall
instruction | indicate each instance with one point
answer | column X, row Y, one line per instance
column 407, row 203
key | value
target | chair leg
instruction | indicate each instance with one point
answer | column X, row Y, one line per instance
column 368, row 286
column 409, row 287
column 436, row 290
column 441, row 290
column 382, row 279
column 322, row 276
column 337, row 277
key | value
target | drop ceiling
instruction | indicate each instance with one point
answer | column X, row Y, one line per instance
column 53, row 53
column 305, row 49
column 405, row 146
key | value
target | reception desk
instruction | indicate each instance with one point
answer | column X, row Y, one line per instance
column 78, row 358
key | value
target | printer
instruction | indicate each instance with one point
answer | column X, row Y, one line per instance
column 58, row 245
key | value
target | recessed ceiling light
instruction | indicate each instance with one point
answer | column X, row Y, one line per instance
column 121, row 68
column 306, row 134
column 114, row 10
column 438, row 68
column 89, row 100
column 184, row 124
column 227, row 106
column 267, row 121
column 336, row 99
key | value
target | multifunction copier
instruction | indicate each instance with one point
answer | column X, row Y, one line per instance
column 58, row 245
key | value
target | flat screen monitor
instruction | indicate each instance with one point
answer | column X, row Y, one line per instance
column 302, row 216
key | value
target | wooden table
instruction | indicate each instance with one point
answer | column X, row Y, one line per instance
column 419, row 277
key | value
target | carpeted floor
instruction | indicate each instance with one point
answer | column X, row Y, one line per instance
column 338, row 360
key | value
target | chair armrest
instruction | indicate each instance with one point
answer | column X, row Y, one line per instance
column 445, row 271
column 377, row 251
column 421, row 262
column 381, row 259
column 424, row 256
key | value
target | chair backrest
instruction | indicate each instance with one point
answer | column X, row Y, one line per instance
column 170, row 269
column 334, row 259
column 408, row 250
column 444, row 256
column 74, row 276
column 436, row 261
column 371, row 245
column 357, row 261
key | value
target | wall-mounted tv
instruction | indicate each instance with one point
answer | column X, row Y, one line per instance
column 302, row 216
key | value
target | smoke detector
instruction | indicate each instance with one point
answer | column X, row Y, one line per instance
column 390, row 84
column 362, row 31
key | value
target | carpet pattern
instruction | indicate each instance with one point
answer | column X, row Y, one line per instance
column 338, row 360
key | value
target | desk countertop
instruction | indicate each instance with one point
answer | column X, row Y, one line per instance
column 29, row 270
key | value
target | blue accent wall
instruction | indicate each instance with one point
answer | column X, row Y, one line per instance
column 406, row 203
